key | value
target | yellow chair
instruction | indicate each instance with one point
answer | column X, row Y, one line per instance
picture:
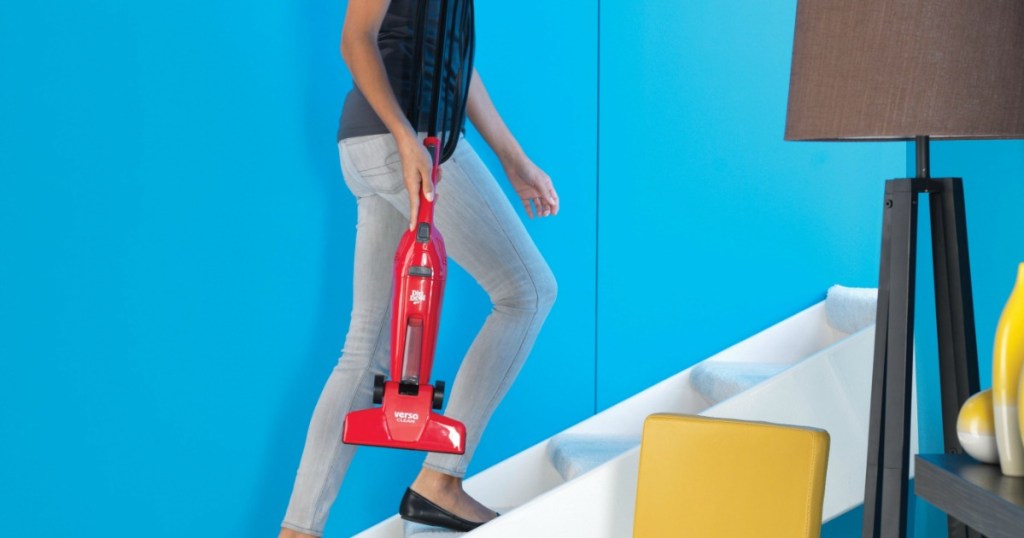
column 708, row 477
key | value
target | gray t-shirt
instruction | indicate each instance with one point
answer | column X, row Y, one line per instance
column 396, row 41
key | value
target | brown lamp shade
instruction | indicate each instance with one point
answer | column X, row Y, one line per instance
column 896, row 69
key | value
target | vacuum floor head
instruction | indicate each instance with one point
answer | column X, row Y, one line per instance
column 405, row 420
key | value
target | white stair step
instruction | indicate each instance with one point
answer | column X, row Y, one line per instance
column 719, row 381
column 824, row 381
column 851, row 309
column 411, row 529
column 575, row 454
column 419, row 529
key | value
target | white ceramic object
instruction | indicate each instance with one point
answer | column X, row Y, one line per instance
column 975, row 428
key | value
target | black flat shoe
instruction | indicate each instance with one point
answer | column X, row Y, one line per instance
column 416, row 507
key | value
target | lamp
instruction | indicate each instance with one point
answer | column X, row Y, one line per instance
column 911, row 70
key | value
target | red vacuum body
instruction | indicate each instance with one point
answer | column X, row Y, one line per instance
column 406, row 418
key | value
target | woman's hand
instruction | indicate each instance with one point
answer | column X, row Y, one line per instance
column 530, row 182
column 416, row 167
column 532, row 185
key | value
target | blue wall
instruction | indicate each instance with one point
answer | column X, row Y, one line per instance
column 175, row 239
column 711, row 227
column 176, row 258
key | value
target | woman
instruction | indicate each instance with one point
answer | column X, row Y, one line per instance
column 385, row 165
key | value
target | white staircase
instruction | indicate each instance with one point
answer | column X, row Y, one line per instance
column 812, row 369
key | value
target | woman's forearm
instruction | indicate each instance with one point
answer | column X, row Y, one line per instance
column 362, row 55
column 488, row 122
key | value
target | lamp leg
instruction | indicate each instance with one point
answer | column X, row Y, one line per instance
column 872, row 492
column 954, row 304
column 885, row 491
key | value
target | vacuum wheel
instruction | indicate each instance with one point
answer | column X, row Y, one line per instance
column 438, row 394
column 378, row 389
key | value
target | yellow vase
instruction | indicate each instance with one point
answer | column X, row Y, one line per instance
column 1007, row 357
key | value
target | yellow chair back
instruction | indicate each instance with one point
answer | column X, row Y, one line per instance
column 719, row 478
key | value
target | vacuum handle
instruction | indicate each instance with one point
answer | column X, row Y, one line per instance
column 426, row 211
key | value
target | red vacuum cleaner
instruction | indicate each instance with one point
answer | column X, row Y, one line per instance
column 406, row 418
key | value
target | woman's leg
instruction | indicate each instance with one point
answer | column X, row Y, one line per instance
column 325, row 458
column 484, row 235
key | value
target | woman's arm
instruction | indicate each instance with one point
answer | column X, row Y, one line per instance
column 529, row 181
column 488, row 122
column 362, row 55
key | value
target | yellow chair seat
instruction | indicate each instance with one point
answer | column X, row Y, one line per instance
column 707, row 477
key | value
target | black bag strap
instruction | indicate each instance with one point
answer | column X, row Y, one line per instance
column 452, row 70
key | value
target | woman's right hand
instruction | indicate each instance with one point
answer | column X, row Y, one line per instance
column 416, row 167
column 361, row 52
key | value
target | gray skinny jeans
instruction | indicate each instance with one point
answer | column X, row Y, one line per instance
column 483, row 234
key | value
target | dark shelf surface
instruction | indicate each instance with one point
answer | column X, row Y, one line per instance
column 976, row 493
